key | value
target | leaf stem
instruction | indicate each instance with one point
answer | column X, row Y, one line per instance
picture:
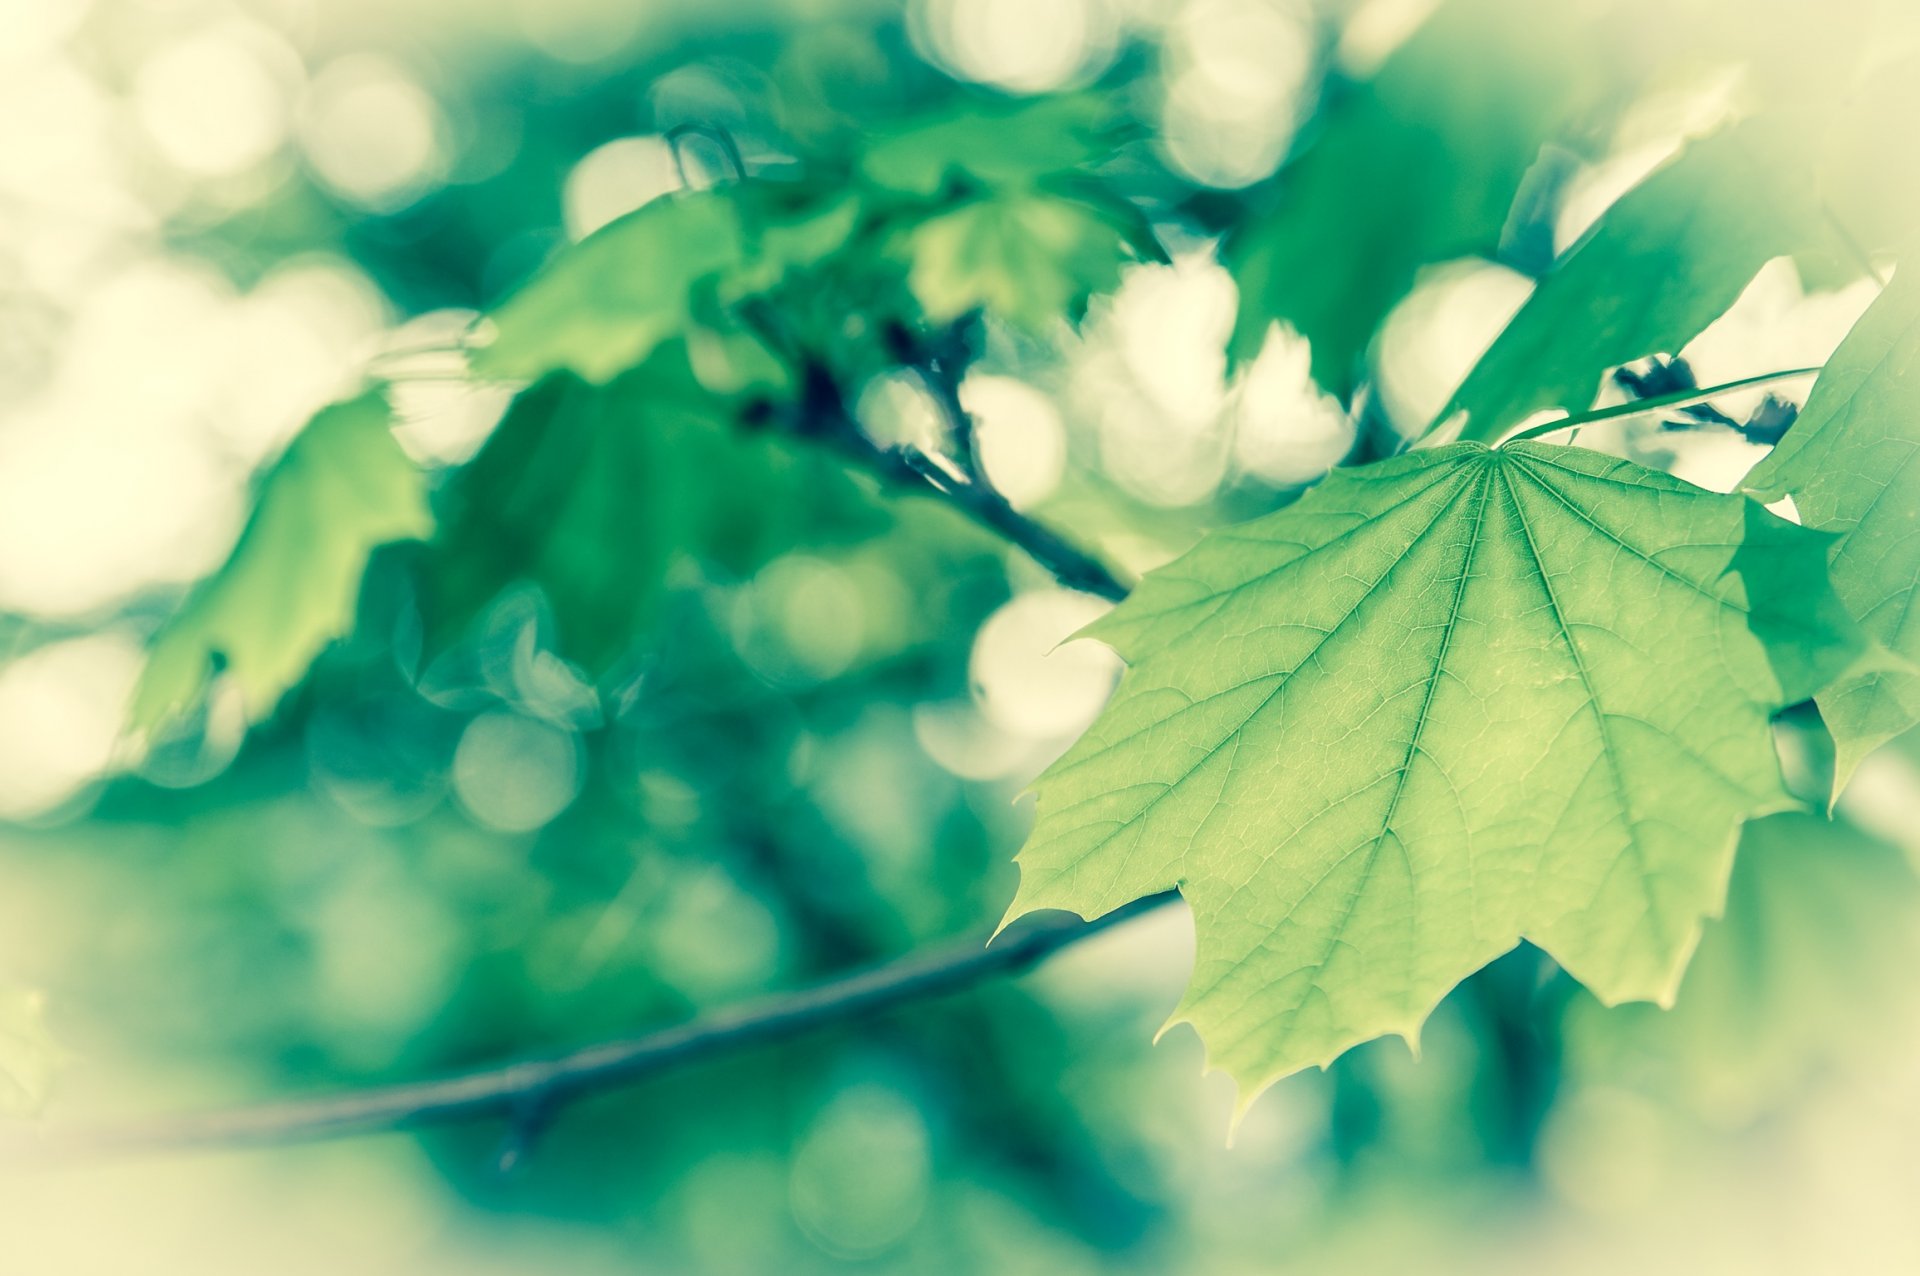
column 1662, row 402
column 822, row 415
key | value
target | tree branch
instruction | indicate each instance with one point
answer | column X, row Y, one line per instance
column 910, row 469
column 541, row 1086
column 530, row 1092
column 821, row 415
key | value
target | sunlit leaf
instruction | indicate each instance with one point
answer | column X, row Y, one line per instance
column 343, row 488
column 1028, row 257
column 992, row 147
column 1442, row 704
column 1664, row 262
column 1418, row 165
column 1849, row 464
column 604, row 304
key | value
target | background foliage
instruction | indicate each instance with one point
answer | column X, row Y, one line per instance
column 641, row 696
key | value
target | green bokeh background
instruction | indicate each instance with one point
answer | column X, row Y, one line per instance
column 809, row 758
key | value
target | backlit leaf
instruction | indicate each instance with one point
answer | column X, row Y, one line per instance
column 1418, row 165
column 1028, row 257
column 988, row 147
column 343, row 488
column 1442, row 704
column 1664, row 262
column 1849, row 464
column 604, row 304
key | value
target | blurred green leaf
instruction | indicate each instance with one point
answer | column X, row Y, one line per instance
column 788, row 228
column 597, row 493
column 1418, row 165
column 343, row 488
column 1806, row 968
column 1029, row 257
column 1441, row 704
column 1664, row 262
column 989, row 147
column 1846, row 462
column 603, row 305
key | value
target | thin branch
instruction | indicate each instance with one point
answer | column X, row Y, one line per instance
column 822, row 416
column 1677, row 400
column 912, row 470
column 1767, row 424
column 528, row 1093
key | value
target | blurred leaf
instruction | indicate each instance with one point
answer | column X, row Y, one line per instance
column 1867, row 174
column 29, row 1054
column 1016, row 224
column 1441, row 704
column 343, row 488
column 1810, row 960
column 788, row 228
column 1416, row 166
column 1029, row 257
column 603, row 305
column 596, row 493
column 1847, row 463
column 1664, row 262
column 992, row 147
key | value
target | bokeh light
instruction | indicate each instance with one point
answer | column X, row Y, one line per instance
column 515, row 773
column 61, row 709
column 616, row 178
column 217, row 101
column 372, row 133
column 1239, row 76
column 455, row 844
column 1028, row 678
column 1020, row 47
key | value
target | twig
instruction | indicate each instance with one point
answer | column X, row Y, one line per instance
column 822, row 415
column 1676, row 401
column 910, row 469
column 530, row 1092
column 1766, row 424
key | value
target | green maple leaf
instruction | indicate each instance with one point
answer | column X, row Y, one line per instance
column 1849, row 464
column 1442, row 704
column 1419, row 164
column 1028, row 256
column 995, row 209
column 606, row 303
column 992, row 146
column 598, row 493
column 1808, row 967
column 1664, row 262
column 343, row 488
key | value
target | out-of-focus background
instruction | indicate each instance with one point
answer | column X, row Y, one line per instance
column 214, row 213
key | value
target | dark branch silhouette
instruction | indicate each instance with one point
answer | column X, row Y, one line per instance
column 530, row 1091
